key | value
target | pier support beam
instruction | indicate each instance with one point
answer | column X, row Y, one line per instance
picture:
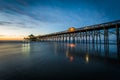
column 73, row 38
column 93, row 36
column 86, row 36
column 118, row 41
column 80, row 37
column 62, row 38
column 96, row 37
column 83, row 37
column 66, row 37
column 89, row 37
column 69, row 38
column 106, row 37
column 99, row 37
column 117, row 35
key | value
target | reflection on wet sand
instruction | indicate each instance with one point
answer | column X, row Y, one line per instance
column 26, row 49
column 54, row 59
column 71, row 45
column 96, row 51
column 87, row 58
column 70, row 48
column 69, row 56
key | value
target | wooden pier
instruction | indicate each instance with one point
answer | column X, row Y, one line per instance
column 88, row 34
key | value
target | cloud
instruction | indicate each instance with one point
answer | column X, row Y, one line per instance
column 23, row 3
column 14, row 25
column 2, row 35
column 4, row 23
column 16, row 20
column 44, row 16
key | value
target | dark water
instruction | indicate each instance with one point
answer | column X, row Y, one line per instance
column 53, row 61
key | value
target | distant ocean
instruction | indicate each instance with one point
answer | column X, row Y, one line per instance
column 20, row 41
column 11, row 41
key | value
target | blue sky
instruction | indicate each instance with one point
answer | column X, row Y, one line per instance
column 19, row 18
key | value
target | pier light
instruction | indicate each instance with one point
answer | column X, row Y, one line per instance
column 72, row 29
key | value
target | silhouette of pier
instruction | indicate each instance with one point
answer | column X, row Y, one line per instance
column 88, row 34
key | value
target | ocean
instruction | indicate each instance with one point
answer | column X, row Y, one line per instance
column 55, row 60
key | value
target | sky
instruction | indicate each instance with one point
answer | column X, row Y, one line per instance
column 20, row 18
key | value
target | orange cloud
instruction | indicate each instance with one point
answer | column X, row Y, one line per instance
column 13, row 38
